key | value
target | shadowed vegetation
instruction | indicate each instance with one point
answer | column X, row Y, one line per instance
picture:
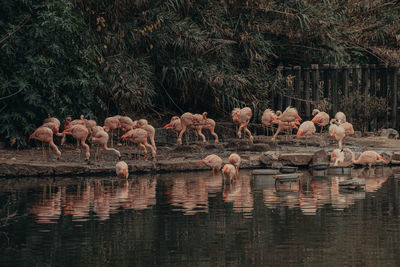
column 157, row 58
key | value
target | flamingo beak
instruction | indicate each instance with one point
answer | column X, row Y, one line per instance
column 314, row 120
column 299, row 133
column 201, row 161
column 125, row 172
column 275, row 120
column 298, row 118
column 167, row 126
column 236, row 117
column 385, row 160
column 332, row 133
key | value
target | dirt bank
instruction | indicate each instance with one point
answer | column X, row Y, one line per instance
column 263, row 152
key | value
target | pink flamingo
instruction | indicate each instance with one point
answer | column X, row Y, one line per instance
column 289, row 118
column 235, row 160
column 80, row 133
column 229, row 171
column 243, row 116
column 151, row 132
column 268, row 119
column 340, row 117
column 367, row 157
column 139, row 136
column 111, row 123
column 213, row 161
column 122, row 170
column 101, row 138
column 306, row 128
column 338, row 132
column 337, row 156
column 45, row 134
column 321, row 118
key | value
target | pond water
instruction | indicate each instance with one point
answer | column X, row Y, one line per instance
column 199, row 219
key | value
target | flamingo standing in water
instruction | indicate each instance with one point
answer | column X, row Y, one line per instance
column 101, row 138
column 268, row 119
column 235, row 160
column 321, row 118
column 45, row 134
column 139, row 136
column 337, row 156
column 306, row 128
column 80, row 133
column 229, row 171
column 122, row 170
column 367, row 157
column 243, row 116
column 213, row 161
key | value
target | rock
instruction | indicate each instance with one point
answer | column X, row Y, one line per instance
column 269, row 158
column 296, row 159
column 320, row 157
column 389, row 133
column 261, row 147
column 189, row 148
column 357, row 134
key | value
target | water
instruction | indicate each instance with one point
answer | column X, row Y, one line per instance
column 197, row 219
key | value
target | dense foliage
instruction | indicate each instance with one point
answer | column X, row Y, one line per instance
column 151, row 57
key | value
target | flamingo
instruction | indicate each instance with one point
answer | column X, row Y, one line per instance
column 337, row 156
column 206, row 123
column 139, row 136
column 174, row 125
column 348, row 128
column 321, row 118
column 101, row 137
column 191, row 120
column 267, row 119
column 151, row 132
column 367, row 157
column 229, row 171
column 122, row 170
column 72, row 123
column 125, row 123
column 235, row 160
column 338, row 132
column 55, row 128
column 111, row 123
column 80, row 133
column 243, row 116
column 289, row 118
column 306, row 128
column 213, row 161
column 340, row 117
column 45, row 134
column 52, row 119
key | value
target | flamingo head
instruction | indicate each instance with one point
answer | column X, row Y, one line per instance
column 127, row 135
column 203, row 160
column 236, row 117
column 299, row 133
column 382, row 158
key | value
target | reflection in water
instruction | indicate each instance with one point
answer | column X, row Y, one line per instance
column 252, row 221
column 97, row 196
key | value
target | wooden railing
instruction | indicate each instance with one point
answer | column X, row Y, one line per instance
column 307, row 87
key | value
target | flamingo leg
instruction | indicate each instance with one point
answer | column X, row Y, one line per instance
column 144, row 150
column 214, row 134
column 181, row 134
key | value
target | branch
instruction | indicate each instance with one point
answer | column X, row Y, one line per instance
column 17, row 28
column 13, row 94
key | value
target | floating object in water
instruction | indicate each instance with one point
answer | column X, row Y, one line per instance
column 288, row 169
column 337, row 170
column 264, row 172
column 355, row 184
column 289, row 177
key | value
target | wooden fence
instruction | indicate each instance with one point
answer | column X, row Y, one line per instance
column 307, row 88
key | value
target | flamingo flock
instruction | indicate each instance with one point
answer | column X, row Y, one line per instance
column 142, row 133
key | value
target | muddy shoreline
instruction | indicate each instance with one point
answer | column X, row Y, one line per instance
column 262, row 153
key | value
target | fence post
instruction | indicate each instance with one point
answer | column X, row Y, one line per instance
column 297, row 82
column 393, row 85
column 289, row 93
column 334, row 83
column 306, row 75
column 372, row 69
column 364, row 80
column 325, row 67
column 383, row 92
column 315, row 83
column 345, row 81
column 356, row 83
